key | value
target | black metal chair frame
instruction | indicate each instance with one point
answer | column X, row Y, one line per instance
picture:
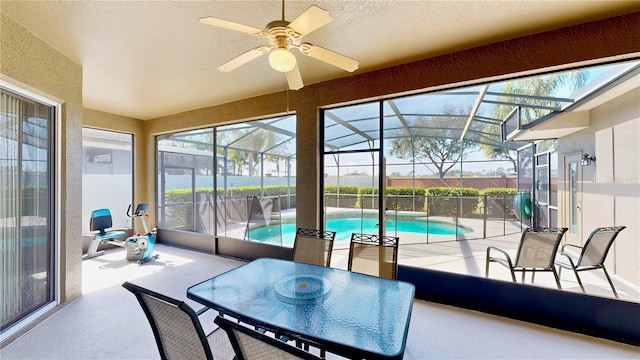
column 513, row 268
column 230, row 327
column 193, row 315
column 325, row 236
column 576, row 265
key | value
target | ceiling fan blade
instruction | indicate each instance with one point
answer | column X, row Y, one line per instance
column 294, row 79
column 244, row 58
column 328, row 56
column 210, row 20
column 310, row 20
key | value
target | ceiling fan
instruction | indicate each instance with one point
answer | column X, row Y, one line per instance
column 281, row 36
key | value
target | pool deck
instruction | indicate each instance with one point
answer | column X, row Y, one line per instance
column 467, row 255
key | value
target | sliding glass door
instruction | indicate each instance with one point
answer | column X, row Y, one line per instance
column 26, row 223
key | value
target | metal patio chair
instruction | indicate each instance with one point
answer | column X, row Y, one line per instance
column 592, row 254
column 177, row 329
column 536, row 252
column 313, row 246
column 250, row 344
column 374, row 255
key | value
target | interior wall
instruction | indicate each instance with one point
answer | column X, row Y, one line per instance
column 30, row 63
column 106, row 121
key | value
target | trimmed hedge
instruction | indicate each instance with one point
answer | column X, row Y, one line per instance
column 499, row 202
column 346, row 199
column 344, row 189
column 269, row 190
column 183, row 216
column 401, row 198
column 437, row 201
column 367, row 197
column 443, row 201
column 184, row 195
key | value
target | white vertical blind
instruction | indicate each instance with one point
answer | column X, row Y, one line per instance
column 9, row 208
column 25, row 202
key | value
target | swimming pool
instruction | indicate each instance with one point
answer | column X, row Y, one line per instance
column 345, row 226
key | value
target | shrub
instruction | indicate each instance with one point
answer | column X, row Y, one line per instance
column 344, row 189
column 179, row 215
column 499, row 202
column 443, row 201
column 402, row 198
column 347, row 197
column 405, row 198
column 367, row 197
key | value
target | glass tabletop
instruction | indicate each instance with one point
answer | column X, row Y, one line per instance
column 342, row 310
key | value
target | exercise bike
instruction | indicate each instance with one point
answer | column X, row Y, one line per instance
column 139, row 247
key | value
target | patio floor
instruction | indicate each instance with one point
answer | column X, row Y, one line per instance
column 107, row 323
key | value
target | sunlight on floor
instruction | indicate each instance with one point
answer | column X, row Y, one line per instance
column 109, row 269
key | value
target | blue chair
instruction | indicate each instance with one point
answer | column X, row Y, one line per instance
column 99, row 224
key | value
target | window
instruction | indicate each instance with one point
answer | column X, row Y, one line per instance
column 107, row 163
column 254, row 197
column 463, row 159
column 185, row 181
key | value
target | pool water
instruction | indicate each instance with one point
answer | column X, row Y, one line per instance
column 345, row 226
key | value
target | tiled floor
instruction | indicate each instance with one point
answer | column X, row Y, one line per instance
column 107, row 323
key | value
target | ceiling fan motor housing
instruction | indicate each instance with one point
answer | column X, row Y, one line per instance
column 280, row 35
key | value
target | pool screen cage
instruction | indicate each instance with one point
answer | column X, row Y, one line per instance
column 432, row 155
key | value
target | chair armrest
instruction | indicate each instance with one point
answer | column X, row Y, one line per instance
column 570, row 256
column 562, row 251
column 508, row 258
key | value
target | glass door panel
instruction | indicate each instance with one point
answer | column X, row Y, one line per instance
column 26, row 224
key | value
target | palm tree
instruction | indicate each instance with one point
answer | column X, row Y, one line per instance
column 533, row 91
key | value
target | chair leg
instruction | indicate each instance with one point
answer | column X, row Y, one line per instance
column 533, row 275
column 513, row 275
column 486, row 266
column 555, row 274
column 610, row 282
column 579, row 281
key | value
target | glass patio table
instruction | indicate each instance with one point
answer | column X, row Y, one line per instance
column 342, row 312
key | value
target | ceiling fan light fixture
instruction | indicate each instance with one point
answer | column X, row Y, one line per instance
column 282, row 60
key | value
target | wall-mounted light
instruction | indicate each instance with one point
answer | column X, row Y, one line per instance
column 586, row 160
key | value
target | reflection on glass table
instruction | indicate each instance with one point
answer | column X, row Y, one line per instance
column 346, row 313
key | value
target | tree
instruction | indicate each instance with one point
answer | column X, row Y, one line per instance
column 439, row 143
column 540, row 86
column 494, row 152
column 250, row 144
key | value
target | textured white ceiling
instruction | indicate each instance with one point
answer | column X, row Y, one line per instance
column 147, row 59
